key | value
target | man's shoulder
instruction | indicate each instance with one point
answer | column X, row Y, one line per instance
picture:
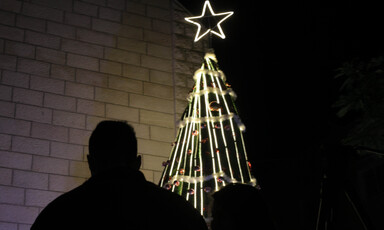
column 70, row 196
column 56, row 213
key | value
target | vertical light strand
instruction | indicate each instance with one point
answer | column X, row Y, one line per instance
column 246, row 156
column 209, row 133
column 187, row 132
column 192, row 113
column 210, row 117
column 189, row 114
column 211, row 67
column 195, row 200
column 191, row 158
column 237, row 151
column 177, row 148
column 235, row 143
column 193, row 123
column 200, row 156
column 214, row 131
column 222, row 131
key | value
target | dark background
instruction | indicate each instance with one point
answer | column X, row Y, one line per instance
column 280, row 58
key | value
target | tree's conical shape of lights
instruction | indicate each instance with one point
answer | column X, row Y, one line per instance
column 209, row 150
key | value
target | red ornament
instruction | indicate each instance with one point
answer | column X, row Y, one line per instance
column 195, row 133
column 207, row 189
column 182, row 171
column 167, row 186
column 214, row 106
column 165, row 163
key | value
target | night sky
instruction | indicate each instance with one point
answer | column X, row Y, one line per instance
column 280, row 59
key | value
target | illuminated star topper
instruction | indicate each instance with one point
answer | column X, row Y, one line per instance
column 204, row 14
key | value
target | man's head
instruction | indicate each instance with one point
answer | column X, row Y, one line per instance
column 113, row 144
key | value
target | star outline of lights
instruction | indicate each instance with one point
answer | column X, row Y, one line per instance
column 210, row 30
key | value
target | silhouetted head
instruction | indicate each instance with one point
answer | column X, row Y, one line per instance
column 113, row 144
column 239, row 206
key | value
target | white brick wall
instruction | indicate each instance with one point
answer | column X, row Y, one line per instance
column 65, row 66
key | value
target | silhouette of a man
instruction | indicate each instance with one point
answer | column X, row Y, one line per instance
column 117, row 196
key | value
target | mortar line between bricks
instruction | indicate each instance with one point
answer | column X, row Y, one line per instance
column 25, row 197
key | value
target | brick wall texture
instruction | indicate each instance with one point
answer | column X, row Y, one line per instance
column 65, row 65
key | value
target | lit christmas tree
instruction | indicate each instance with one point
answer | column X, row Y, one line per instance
column 209, row 150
